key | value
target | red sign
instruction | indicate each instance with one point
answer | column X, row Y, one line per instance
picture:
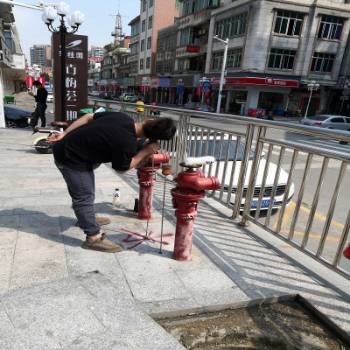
column 287, row 83
column 193, row 48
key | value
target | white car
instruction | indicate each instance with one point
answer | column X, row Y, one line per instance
column 201, row 148
column 49, row 97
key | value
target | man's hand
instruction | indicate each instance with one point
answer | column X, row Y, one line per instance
column 152, row 148
column 56, row 137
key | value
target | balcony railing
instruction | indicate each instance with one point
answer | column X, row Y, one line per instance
column 257, row 171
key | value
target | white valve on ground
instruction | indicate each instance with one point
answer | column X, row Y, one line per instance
column 198, row 161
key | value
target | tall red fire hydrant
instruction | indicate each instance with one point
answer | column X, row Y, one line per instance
column 145, row 175
column 191, row 186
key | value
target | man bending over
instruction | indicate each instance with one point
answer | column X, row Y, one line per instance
column 102, row 138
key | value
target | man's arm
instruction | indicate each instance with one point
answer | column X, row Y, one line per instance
column 87, row 118
column 150, row 149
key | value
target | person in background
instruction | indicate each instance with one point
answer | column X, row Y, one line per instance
column 140, row 103
column 39, row 112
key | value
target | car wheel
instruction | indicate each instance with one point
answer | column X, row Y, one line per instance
column 43, row 147
column 11, row 124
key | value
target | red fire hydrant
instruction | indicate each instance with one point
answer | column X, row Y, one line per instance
column 191, row 186
column 145, row 175
column 346, row 251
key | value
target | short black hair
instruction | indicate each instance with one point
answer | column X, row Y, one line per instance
column 159, row 129
column 37, row 83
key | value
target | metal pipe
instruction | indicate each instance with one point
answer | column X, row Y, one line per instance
column 243, row 171
column 263, row 183
column 286, row 194
column 331, row 210
column 343, row 240
column 274, row 187
column 253, row 174
column 233, row 170
column 300, row 197
column 315, row 202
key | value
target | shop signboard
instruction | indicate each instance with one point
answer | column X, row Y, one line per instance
column 193, row 48
column 154, row 82
column 76, row 74
column 260, row 81
column 164, row 82
column 146, row 81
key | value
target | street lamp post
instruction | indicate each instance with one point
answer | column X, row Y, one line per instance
column 223, row 68
column 74, row 21
column 311, row 86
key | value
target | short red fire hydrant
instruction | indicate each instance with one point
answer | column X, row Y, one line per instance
column 145, row 175
column 191, row 186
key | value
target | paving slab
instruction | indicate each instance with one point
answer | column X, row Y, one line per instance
column 41, row 244
column 80, row 312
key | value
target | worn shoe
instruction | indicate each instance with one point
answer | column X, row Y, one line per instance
column 102, row 245
column 102, row 220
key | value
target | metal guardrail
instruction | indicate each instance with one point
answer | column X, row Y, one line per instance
column 251, row 165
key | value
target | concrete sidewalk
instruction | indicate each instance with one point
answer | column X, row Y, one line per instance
column 43, row 265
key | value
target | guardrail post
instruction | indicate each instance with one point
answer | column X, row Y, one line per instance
column 253, row 174
column 243, row 171
column 180, row 147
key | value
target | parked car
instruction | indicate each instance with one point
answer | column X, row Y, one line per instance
column 127, row 97
column 218, row 149
column 49, row 97
column 94, row 93
column 328, row 121
column 16, row 117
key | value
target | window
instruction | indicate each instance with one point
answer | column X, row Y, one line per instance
column 191, row 6
column 150, row 3
column 143, row 27
column 144, row 5
column 142, row 45
column 148, row 62
column 141, row 63
column 330, row 27
column 149, row 42
column 234, row 58
column 232, row 26
column 347, row 120
column 186, row 36
column 150, row 22
column 135, row 29
column 281, row 59
column 322, row 62
column 288, row 23
column 337, row 120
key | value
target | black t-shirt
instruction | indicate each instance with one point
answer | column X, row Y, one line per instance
column 110, row 137
column 41, row 95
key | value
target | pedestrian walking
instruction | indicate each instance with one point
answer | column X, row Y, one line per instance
column 39, row 112
column 102, row 138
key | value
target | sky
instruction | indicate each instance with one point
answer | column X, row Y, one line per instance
column 98, row 24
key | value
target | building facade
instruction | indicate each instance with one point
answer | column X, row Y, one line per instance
column 41, row 55
column 154, row 15
column 275, row 49
column 12, row 60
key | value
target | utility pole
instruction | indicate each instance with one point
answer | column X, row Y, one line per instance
column 20, row 4
column 223, row 69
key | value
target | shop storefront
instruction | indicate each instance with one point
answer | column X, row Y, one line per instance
column 247, row 95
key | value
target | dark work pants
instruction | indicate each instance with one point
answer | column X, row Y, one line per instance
column 81, row 187
column 39, row 113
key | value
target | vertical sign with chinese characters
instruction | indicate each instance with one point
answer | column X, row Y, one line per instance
column 76, row 75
